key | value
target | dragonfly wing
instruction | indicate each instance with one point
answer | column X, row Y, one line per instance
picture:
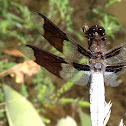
column 116, row 54
column 112, row 73
column 70, row 48
column 69, row 71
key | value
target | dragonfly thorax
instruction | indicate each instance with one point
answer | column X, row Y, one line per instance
column 97, row 65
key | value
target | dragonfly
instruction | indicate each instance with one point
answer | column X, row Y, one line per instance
column 103, row 66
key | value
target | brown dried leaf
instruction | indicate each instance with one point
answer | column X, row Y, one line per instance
column 28, row 68
column 13, row 52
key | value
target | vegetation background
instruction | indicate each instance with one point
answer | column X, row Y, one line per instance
column 52, row 97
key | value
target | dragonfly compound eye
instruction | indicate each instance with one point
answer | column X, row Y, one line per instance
column 101, row 31
column 96, row 28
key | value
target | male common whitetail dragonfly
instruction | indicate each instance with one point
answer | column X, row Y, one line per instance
column 72, row 68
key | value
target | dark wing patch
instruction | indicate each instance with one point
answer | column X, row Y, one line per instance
column 116, row 54
column 47, row 60
column 59, row 39
column 112, row 73
column 114, row 69
column 49, row 31
column 81, row 67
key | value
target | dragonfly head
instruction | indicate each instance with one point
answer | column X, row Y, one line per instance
column 94, row 31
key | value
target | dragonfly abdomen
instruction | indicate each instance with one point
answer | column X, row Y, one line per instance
column 97, row 98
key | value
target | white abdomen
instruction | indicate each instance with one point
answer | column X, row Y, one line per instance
column 97, row 98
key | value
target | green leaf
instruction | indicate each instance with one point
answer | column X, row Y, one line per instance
column 112, row 2
column 1, row 96
column 19, row 111
column 84, row 118
column 23, row 90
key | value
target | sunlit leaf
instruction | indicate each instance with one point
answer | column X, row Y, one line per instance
column 84, row 118
column 19, row 111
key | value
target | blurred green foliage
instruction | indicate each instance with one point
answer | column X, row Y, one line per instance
column 11, row 22
column 2, row 115
column 44, row 87
column 65, row 11
column 109, row 22
column 17, row 24
column 23, row 90
column 1, row 96
column 6, row 65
